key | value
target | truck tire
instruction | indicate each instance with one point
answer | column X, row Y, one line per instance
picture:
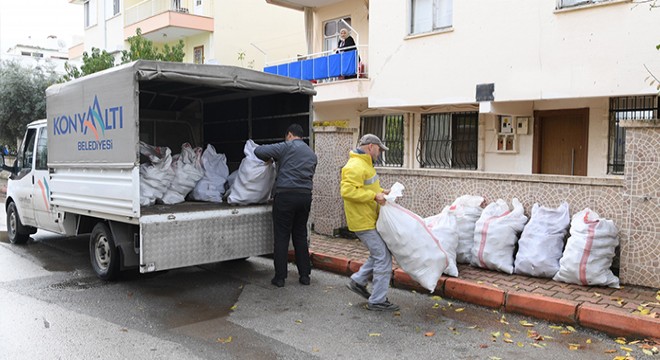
column 103, row 253
column 16, row 232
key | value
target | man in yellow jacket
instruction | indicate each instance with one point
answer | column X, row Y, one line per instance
column 362, row 194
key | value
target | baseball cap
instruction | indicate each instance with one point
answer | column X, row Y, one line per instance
column 372, row 139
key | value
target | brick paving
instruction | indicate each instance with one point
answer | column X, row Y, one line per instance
column 629, row 299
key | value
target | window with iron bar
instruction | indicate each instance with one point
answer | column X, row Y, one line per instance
column 626, row 108
column 562, row 4
column 448, row 140
column 389, row 129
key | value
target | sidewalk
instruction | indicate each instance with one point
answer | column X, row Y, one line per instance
column 630, row 311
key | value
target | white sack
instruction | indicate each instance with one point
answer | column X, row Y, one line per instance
column 211, row 186
column 254, row 180
column 589, row 251
column 443, row 226
column 188, row 171
column 468, row 211
column 155, row 175
column 495, row 235
column 542, row 241
column 414, row 246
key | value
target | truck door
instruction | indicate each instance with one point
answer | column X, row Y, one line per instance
column 22, row 180
column 43, row 213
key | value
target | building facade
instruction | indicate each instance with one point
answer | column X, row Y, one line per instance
column 229, row 32
column 543, row 100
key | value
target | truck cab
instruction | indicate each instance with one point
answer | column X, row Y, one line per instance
column 28, row 200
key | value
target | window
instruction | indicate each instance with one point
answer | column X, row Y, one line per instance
column 448, row 140
column 111, row 8
column 430, row 15
column 331, row 32
column 26, row 153
column 42, row 150
column 90, row 13
column 198, row 55
column 626, row 108
column 389, row 128
column 561, row 4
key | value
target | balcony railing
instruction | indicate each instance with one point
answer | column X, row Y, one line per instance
column 149, row 8
column 323, row 67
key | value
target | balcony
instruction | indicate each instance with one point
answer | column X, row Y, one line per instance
column 165, row 20
column 338, row 76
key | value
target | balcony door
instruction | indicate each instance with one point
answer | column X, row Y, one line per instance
column 560, row 142
column 198, row 9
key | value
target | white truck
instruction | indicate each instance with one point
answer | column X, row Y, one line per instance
column 77, row 172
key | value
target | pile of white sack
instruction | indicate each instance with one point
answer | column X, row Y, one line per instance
column 499, row 237
column 203, row 176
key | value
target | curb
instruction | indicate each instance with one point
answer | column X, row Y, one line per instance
column 612, row 322
column 617, row 323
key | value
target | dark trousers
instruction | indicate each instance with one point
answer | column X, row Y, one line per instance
column 290, row 214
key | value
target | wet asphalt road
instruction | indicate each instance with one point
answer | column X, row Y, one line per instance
column 53, row 307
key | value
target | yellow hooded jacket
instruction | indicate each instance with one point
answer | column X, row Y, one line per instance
column 359, row 186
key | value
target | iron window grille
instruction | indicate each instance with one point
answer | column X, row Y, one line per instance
column 448, row 140
column 626, row 108
column 388, row 128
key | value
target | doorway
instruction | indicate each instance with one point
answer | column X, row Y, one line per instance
column 560, row 142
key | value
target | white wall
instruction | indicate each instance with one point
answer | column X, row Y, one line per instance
column 526, row 48
column 278, row 31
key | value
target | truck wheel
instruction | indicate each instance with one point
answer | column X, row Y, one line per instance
column 103, row 252
column 15, row 229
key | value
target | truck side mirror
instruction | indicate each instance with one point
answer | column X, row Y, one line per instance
column 11, row 169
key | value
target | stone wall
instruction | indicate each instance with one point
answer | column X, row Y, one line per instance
column 428, row 191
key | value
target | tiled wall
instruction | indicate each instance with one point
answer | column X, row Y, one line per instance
column 428, row 191
column 640, row 248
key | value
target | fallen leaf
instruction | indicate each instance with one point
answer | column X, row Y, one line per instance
column 495, row 334
column 520, row 344
column 555, row 327
column 397, row 313
column 503, row 320
column 525, row 323
column 621, row 341
column 480, row 282
column 610, row 351
column 536, row 345
column 233, row 307
column 633, row 342
column 429, row 333
column 508, row 341
column 436, row 298
column 459, row 309
column 507, row 335
column 483, row 346
column 597, row 294
column 123, row 330
column 573, row 346
column 472, row 327
column 647, row 352
column 624, row 348
column 315, row 349
column 298, row 321
column 588, row 341
column 224, row 340
column 494, row 358
column 570, row 328
column 436, row 305
column 564, row 332
column 374, row 334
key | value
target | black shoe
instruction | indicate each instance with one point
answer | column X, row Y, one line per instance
column 277, row 282
column 384, row 306
column 359, row 289
column 304, row 280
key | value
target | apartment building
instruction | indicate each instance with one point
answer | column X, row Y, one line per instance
column 229, row 32
column 542, row 100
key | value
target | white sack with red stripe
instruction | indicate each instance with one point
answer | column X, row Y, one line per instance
column 589, row 251
column 419, row 253
column 444, row 227
column 542, row 241
column 468, row 211
column 496, row 234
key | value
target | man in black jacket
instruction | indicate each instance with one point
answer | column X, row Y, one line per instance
column 296, row 164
